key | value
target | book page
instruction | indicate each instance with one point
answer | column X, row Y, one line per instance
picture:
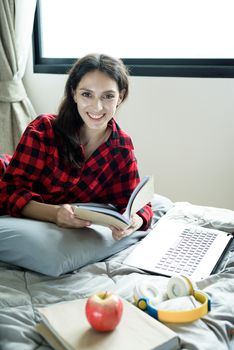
column 142, row 195
column 102, row 218
column 49, row 337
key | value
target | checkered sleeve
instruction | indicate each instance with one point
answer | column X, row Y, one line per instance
column 16, row 185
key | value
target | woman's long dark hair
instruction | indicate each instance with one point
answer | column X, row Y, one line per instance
column 68, row 122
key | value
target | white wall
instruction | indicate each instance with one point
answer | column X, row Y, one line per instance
column 182, row 128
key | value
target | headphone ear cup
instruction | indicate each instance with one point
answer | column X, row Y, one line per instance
column 179, row 286
column 149, row 291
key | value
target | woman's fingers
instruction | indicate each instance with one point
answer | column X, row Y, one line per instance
column 136, row 223
column 66, row 218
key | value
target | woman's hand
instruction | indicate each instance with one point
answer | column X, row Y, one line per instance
column 65, row 218
column 136, row 223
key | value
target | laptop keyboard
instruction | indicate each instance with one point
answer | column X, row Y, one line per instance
column 187, row 252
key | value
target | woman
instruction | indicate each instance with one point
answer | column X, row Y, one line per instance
column 80, row 155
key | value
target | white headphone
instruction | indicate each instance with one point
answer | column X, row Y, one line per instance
column 147, row 296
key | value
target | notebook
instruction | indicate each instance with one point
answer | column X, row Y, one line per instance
column 173, row 248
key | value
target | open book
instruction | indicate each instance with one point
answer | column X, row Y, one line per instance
column 65, row 327
column 107, row 214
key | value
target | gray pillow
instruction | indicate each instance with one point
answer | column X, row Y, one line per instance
column 51, row 250
column 46, row 248
column 160, row 205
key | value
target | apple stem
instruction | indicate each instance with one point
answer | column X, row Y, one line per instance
column 104, row 295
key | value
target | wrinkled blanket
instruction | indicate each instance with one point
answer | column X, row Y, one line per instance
column 23, row 291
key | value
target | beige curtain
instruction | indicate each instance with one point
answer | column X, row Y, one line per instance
column 16, row 111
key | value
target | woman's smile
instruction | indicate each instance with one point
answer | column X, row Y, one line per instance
column 95, row 116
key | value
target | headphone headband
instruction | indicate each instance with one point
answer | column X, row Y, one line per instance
column 177, row 316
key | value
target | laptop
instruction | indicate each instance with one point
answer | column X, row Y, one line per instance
column 173, row 248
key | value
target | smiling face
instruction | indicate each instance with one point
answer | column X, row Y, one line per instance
column 97, row 97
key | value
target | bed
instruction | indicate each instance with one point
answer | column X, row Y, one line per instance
column 22, row 290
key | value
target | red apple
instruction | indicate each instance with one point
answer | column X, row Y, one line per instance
column 104, row 311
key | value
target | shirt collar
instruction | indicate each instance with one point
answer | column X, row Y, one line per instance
column 118, row 137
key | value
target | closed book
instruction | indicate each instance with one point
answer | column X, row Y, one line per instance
column 65, row 327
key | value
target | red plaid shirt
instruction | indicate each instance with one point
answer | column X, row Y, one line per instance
column 35, row 172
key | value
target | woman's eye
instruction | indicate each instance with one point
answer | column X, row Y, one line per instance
column 109, row 96
column 86, row 94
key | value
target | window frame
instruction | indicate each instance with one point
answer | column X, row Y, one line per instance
column 176, row 67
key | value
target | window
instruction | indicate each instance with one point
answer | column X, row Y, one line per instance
column 187, row 38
